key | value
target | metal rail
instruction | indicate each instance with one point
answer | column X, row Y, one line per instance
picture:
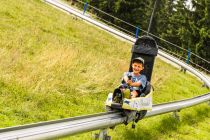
column 71, row 126
column 177, row 105
column 60, row 128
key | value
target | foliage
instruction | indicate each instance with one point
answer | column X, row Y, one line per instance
column 184, row 25
column 189, row 28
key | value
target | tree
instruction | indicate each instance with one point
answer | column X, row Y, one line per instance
column 173, row 20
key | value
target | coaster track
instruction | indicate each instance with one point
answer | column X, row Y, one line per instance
column 75, row 125
column 72, row 126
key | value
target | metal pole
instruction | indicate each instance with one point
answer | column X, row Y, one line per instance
column 151, row 18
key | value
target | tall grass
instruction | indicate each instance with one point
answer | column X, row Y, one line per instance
column 54, row 66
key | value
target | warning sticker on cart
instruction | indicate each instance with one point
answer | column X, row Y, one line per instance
column 139, row 103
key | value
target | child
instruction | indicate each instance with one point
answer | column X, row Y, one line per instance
column 135, row 80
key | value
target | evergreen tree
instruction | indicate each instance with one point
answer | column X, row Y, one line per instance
column 201, row 30
column 188, row 28
column 173, row 21
column 135, row 12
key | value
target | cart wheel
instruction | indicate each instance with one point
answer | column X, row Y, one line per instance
column 140, row 115
column 108, row 138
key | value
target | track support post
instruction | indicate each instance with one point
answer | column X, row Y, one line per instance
column 204, row 85
column 183, row 69
column 176, row 115
column 103, row 135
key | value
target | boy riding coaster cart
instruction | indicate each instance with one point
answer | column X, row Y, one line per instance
column 134, row 96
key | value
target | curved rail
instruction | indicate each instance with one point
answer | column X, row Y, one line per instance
column 128, row 38
column 177, row 105
column 186, row 66
column 71, row 126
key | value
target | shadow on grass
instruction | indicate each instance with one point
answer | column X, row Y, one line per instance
column 166, row 126
column 197, row 115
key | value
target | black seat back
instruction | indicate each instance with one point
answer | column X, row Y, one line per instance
column 146, row 48
column 147, row 89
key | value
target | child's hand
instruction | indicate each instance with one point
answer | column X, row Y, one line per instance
column 129, row 82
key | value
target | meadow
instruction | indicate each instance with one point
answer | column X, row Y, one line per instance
column 54, row 65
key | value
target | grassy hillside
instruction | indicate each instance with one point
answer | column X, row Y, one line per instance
column 54, row 66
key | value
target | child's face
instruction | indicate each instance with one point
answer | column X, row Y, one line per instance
column 137, row 67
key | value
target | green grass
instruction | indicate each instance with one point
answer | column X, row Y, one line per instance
column 54, row 66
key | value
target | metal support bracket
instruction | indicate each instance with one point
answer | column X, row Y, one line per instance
column 176, row 115
column 103, row 135
column 183, row 69
column 204, row 85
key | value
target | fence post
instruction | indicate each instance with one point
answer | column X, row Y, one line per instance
column 85, row 7
column 187, row 60
column 188, row 56
column 137, row 32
